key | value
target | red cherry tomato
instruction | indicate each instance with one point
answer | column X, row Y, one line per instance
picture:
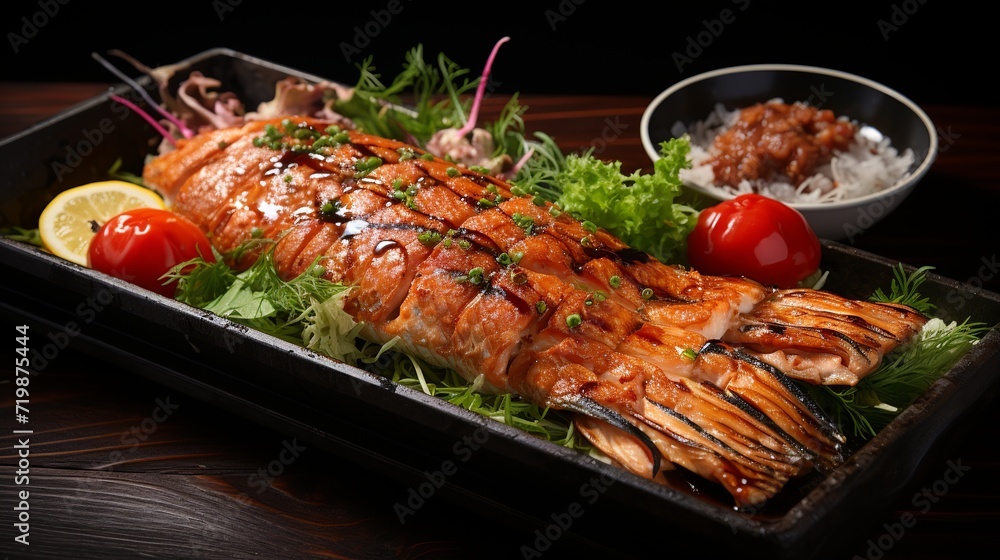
column 141, row 245
column 757, row 237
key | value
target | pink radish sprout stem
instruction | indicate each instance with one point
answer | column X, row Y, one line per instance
column 187, row 132
column 159, row 128
column 474, row 114
column 520, row 163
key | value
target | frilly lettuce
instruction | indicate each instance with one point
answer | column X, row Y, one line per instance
column 639, row 208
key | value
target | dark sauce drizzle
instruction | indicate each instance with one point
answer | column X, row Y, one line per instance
column 489, row 199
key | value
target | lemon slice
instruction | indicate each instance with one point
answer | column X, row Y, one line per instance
column 70, row 220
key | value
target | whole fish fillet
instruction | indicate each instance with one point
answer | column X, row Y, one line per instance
column 663, row 367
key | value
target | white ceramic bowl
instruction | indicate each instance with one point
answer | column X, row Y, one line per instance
column 859, row 99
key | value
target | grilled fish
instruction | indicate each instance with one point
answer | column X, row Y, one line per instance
column 661, row 366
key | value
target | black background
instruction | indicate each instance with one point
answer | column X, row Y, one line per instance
column 933, row 51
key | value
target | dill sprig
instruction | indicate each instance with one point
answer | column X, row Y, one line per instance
column 421, row 100
column 199, row 281
column 905, row 289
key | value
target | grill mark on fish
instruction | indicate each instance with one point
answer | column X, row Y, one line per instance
column 828, row 437
column 729, row 452
column 860, row 351
column 786, row 450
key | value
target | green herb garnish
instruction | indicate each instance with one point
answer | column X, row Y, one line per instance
column 24, row 235
column 638, row 208
column 258, row 297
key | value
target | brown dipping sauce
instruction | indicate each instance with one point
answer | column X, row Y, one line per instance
column 779, row 141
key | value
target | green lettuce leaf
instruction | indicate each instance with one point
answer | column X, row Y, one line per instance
column 641, row 209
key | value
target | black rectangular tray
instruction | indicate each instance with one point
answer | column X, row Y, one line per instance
column 503, row 473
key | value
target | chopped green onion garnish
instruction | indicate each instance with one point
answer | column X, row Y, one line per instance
column 527, row 223
column 476, row 275
column 366, row 166
column 429, row 237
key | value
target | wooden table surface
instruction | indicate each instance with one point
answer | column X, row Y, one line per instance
column 121, row 466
